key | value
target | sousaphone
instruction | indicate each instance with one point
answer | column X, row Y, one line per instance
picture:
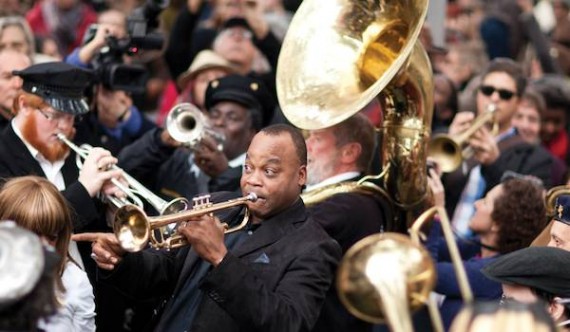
column 340, row 55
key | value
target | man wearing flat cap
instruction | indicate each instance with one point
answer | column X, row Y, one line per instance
column 238, row 106
column 536, row 273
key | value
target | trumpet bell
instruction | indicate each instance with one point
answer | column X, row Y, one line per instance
column 372, row 270
column 131, row 228
column 339, row 54
column 185, row 123
column 446, row 152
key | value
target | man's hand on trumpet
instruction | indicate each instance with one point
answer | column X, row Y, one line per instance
column 105, row 248
column 461, row 122
column 209, row 158
column 206, row 236
column 485, row 147
column 96, row 171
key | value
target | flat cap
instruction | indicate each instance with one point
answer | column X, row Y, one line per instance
column 543, row 268
column 59, row 84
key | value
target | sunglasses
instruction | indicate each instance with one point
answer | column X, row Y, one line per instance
column 504, row 94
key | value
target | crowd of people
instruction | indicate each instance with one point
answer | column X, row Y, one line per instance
column 88, row 91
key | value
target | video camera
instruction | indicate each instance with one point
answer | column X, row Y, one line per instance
column 108, row 64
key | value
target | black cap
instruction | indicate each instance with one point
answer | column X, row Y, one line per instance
column 562, row 209
column 236, row 22
column 543, row 268
column 249, row 92
column 59, row 84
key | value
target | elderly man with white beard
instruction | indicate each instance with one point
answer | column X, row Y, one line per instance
column 338, row 154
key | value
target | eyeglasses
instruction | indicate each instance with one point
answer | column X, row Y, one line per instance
column 504, row 94
column 57, row 116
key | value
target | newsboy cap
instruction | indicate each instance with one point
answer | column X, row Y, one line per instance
column 244, row 90
column 543, row 268
column 562, row 209
column 59, row 84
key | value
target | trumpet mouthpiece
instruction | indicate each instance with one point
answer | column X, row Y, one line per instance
column 252, row 197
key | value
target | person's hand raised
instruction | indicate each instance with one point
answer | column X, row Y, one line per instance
column 210, row 158
column 105, row 248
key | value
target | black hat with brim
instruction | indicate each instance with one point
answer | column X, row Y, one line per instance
column 244, row 90
column 543, row 268
column 59, row 84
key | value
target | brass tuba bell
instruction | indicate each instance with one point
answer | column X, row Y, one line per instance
column 338, row 56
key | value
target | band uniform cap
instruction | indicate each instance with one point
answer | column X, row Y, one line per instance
column 244, row 90
column 59, row 84
column 562, row 209
column 205, row 60
column 543, row 268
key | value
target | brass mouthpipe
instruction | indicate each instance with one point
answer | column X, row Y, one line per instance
column 447, row 150
column 161, row 221
column 133, row 228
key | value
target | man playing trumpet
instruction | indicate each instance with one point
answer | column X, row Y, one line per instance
column 271, row 276
column 502, row 85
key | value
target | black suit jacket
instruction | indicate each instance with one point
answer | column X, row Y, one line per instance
column 166, row 171
column 347, row 218
column 16, row 160
column 516, row 155
column 283, row 292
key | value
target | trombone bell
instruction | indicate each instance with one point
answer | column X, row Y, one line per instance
column 377, row 269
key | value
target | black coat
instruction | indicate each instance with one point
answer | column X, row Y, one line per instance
column 347, row 218
column 516, row 155
column 166, row 171
column 284, row 293
column 16, row 160
column 89, row 130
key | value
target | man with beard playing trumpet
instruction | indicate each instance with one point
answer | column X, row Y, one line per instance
column 52, row 97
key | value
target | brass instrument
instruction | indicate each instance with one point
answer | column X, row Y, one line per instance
column 185, row 123
column 385, row 276
column 448, row 151
column 133, row 228
column 134, row 190
column 338, row 56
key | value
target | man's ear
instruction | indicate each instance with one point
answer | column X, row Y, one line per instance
column 350, row 152
column 22, row 107
column 556, row 310
column 302, row 175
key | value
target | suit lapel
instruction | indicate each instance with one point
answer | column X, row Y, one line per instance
column 272, row 229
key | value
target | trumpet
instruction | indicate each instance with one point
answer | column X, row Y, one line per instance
column 188, row 125
column 448, row 151
column 133, row 228
column 133, row 191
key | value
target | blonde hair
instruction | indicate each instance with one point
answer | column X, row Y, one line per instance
column 35, row 204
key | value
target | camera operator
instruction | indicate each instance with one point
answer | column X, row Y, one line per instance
column 114, row 121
